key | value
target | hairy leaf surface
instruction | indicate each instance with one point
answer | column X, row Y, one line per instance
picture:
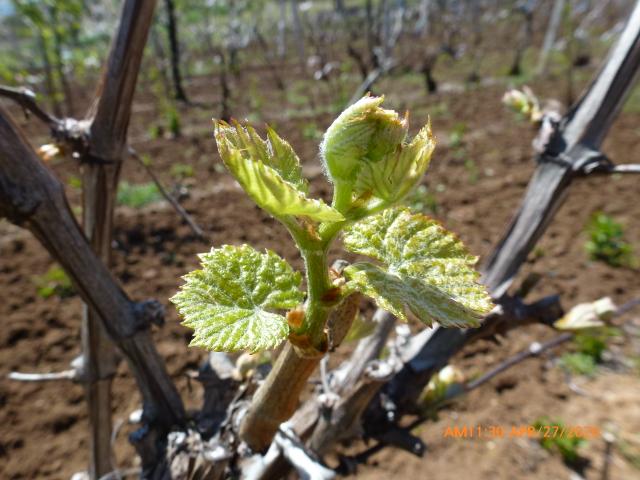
column 230, row 302
column 286, row 161
column 269, row 171
column 426, row 269
column 393, row 178
column 347, row 140
column 275, row 195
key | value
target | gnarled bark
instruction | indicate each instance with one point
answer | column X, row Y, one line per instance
column 31, row 196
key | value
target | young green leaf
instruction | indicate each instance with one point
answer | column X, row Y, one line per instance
column 272, row 193
column 286, row 161
column 390, row 180
column 395, row 291
column 426, row 269
column 230, row 303
column 269, row 171
column 364, row 132
column 369, row 161
column 274, row 152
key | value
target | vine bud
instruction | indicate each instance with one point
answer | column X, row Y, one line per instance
column 364, row 132
column 523, row 102
column 369, row 160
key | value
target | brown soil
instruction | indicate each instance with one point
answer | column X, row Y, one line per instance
column 44, row 426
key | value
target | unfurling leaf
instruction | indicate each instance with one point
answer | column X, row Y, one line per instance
column 523, row 102
column 367, row 158
column 587, row 315
column 387, row 182
column 230, row 303
column 275, row 152
column 364, row 132
column 278, row 197
column 445, row 384
column 269, row 171
column 426, row 269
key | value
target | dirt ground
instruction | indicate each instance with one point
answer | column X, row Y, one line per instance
column 477, row 186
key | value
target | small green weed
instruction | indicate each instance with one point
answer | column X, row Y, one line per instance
column 75, row 182
column 180, row 171
column 579, row 363
column 138, row 195
column 553, row 440
column 173, row 121
column 155, row 131
column 312, row 132
column 588, row 349
column 606, row 242
column 456, row 137
column 54, row 282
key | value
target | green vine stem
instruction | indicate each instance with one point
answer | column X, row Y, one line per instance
column 372, row 166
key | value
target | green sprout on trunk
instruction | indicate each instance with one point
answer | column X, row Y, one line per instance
column 242, row 299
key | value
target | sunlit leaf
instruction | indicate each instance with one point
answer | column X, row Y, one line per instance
column 286, row 161
column 393, row 178
column 232, row 302
column 350, row 139
column 272, row 193
column 269, row 171
column 425, row 269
